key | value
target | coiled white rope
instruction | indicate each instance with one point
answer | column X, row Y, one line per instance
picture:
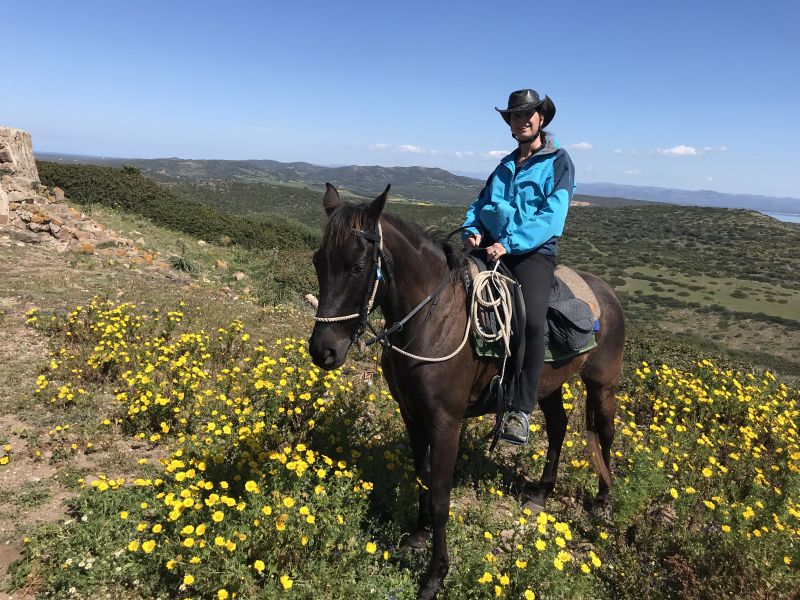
column 490, row 290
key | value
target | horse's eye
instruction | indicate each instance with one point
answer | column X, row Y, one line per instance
column 358, row 268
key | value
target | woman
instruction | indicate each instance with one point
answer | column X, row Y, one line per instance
column 518, row 217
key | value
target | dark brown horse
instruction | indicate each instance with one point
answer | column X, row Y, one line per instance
column 365, row 254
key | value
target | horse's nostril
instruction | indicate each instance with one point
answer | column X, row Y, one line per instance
column 329, row 358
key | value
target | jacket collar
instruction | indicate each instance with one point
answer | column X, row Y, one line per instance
column 551, row 146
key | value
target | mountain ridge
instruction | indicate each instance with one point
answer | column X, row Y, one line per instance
column 431, row 184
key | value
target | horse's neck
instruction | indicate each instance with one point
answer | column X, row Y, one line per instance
column 417, row 268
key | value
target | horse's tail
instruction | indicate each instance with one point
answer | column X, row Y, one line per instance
column 596, row 454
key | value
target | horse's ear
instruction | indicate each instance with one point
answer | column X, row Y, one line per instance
column 376, row 207
column 331, row 199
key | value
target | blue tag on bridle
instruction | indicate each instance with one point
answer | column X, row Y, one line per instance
column 379, row 274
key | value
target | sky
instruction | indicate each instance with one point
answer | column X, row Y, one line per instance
column 682, row 94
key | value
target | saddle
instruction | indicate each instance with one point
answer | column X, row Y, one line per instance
column 573, row 316
column 573, row 319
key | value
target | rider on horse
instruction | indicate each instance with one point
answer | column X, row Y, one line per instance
column 517, row 218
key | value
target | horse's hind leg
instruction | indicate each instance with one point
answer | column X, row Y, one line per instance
column 601, row 408
column 555, row 419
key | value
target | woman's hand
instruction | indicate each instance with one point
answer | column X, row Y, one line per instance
column 473, row 241
column 495, row 251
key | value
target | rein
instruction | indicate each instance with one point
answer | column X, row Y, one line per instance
column 475, row 300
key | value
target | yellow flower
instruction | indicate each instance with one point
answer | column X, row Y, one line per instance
column 585, row 568
column 133, row 546
column 558, row 564
column 673, row 492
column 251, row 486
column 157, row 528
column 706, row 472
column 148, row 546
column 267, row 510
column 223, row 594
column 286, row 582
column 540, row 545
column 504, row 580
column 529, row 595
column 521, row 564
column 787, row 560
column 371, row 547
column 486, row 578
column 288, row 502
column 123, row 515
column 188, row 579
column 217, row 516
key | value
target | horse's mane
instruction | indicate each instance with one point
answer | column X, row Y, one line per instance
column 349, row 216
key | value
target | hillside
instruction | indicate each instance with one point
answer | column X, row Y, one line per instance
column 722, row 282
column 413, row 183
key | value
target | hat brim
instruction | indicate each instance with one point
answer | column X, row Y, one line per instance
column 546, row 107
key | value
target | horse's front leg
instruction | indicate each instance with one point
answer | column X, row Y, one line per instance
column 420, row 445
column 443, row 453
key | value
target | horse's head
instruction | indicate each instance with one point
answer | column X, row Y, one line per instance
column 347, row 273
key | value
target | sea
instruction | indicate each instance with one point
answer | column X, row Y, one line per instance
column 785, row 217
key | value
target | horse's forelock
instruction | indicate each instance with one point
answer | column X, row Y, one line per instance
column 341, row 223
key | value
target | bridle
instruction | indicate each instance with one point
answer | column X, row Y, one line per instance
column 370, row 292
column 371, row 289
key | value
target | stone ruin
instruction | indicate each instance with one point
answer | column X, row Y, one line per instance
column 32, row 213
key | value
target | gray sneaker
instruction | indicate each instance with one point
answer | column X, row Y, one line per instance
column 516, row 428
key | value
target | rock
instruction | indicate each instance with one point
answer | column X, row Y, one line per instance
column 239, row 276
column 39, row 218
column 85, row 248
column 4, row 206
column 24, row 215
column 221, row 264
column 16, row 154
column 59, row 194
column 34, row 226
column 65, row 235
column 54, row 227
column 201, row 243
column 24, row 236
column 140, row 241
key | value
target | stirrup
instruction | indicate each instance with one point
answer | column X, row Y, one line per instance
column 513, row 439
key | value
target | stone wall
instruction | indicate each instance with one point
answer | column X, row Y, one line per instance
column 32, row 213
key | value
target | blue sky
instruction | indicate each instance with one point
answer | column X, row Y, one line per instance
column 693, row 95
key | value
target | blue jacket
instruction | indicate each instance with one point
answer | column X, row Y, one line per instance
column 525, row 210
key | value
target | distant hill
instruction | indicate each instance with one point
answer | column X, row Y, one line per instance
column 414, row 183
column 694, row 197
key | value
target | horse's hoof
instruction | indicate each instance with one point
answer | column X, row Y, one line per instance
column 534, row 505
column 417, row 540
column 429, row 591
column 600, row 506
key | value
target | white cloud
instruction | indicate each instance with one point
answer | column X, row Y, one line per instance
column 680, row 150
column 722, row 148
column 709, row 179
column 379, row 146
column 466, row 153
column 581, row 146
column 632, row 172
column 494, row 154
column 634, row 153
column 410, row 149
column 617, row 151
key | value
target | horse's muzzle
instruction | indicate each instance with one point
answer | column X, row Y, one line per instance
column 328, row 350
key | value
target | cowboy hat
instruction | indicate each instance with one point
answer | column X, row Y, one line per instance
column 527, row 101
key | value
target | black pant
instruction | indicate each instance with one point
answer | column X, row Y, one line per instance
column 535, row 273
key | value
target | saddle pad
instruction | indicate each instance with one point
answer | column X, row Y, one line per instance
column 579, row 288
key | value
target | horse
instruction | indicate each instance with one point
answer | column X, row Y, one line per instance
column 368, row 259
